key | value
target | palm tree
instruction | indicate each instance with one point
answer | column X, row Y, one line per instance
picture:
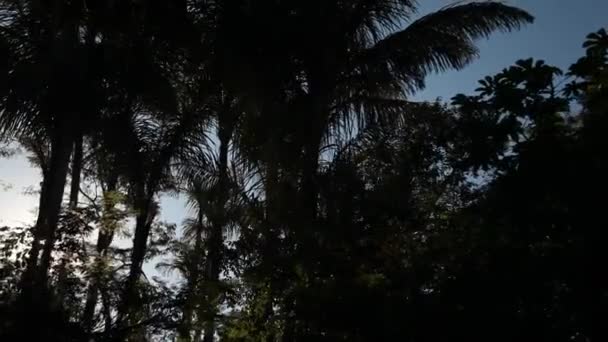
column 347, row 64
column 199, row 253
column 189, row 256
column 192, row 259
column 47, row 92
column 218, row 213
column 364, row 61
column 152, row 144
column 110, row 217
column 147, row 141
column 210, row 189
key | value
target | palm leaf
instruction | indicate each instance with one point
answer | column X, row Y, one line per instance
column 439, row 41
column 372, row 19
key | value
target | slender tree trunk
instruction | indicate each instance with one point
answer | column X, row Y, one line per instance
column 143, row 225
column 76, row 171
column 319, row 113
column 270, row 239
column 56, row 190
column 89, row 307
column 193, row 282
column 306, row 221
column 219, row 220
column 142, row 231
column 140, row 244
column 32, row 260
column 35, row 276
column 61, row 285
column 212, row 273
column 107, row 309
column 272, row 227
column 72, row 205
column 104, row 240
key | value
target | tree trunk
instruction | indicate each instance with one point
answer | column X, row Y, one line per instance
column 34, row 253
column 58, row 172
column 89, row 307
column 274, row 217
column 61, row 285
column 51, row 196
column 143, row 225
column 306, row 220
column 319, row 114
column 72, row 205
column 193, row 282
column 142, row 231
column 270, row 245
column 104, row 240
column 107, row 309
column 76, row 171
column 219, row 217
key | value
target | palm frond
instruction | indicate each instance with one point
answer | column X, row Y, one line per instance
column 374, row 19
column 439, row 41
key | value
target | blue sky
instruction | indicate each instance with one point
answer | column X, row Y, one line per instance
column 556, row 36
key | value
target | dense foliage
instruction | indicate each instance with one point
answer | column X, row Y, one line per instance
column 322, row 204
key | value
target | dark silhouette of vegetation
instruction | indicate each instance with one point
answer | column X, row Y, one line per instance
column 323, row 204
